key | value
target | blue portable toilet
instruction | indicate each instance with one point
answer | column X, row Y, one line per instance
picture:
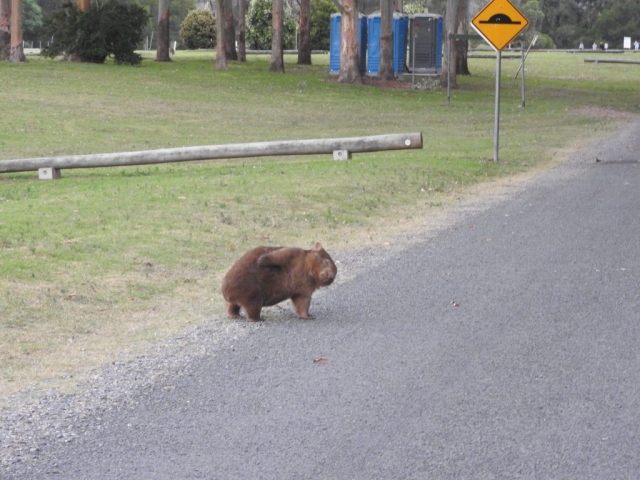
column 426, row 35
column 400, row 24
column 336, row 37
column 373, row 44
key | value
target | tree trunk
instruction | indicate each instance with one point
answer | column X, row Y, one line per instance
column 230, row 30
column 242, row 30
column 83, row 5
column 5, row 29
column 162, row 53
column 304, row 46
column 385, row 71
column 450, row 26
column 462, row 66
column 16, row 54
column 221, row 39
column 349, row 55
column 462, row 46
column 277, row 54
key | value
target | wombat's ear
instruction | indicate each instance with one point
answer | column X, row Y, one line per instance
column 317, row 247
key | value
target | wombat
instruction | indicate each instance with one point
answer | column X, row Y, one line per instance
column 266, row 276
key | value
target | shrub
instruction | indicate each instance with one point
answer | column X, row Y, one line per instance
column 544, row 42
column 413, row 7
column 104, row 30
column 321, row 11
column 198, row 30
column 259, row 26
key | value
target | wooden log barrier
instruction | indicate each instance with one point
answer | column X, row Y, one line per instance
column 612, row 60
column 346, row 146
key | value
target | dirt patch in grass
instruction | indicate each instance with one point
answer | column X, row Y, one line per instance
column 376, row 82
column 421, row 82
column 593, row 111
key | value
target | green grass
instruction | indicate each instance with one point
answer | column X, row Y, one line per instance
column 95, row 262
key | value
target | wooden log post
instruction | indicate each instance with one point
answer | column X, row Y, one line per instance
column 346, row 146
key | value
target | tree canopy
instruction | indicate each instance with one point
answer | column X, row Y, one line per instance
column 564, row 23
column 569, row 22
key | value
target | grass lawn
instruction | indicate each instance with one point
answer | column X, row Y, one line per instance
column 94, row 263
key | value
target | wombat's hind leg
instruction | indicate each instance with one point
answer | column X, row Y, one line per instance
column 253, row 312
column 233, row 310
column 301, row 305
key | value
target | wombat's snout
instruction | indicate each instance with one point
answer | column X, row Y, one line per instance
column 327, row 276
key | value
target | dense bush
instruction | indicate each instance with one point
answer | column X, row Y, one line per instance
column 544, row 42
column 198, row 30
column 104, row 30
column 259, row 26
column 413, row 7
column 321, row 11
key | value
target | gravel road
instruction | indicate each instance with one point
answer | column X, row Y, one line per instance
column 504, row 345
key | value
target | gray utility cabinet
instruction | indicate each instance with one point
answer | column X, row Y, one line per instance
column 425, row 34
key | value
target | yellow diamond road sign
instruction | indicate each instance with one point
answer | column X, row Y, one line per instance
column 499, row 23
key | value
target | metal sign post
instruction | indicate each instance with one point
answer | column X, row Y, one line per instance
column 414, row 31
column 499, row 22
column 522, row 66
column 533, row 42
column 449, row 71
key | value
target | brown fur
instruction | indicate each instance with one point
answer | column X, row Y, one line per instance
column 266, row 276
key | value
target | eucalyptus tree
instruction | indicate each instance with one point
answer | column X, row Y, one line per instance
column 11, row 31
column 449, row 59
column 16, row 53
column 454, row 58
column 5, row 29
column 242, row 30
column 277, row 38
column 221, row 51
column 164, row 13
column 230, row 30
column 385, row 69
column 349, row 54
column 462, row 46
column 304, row 27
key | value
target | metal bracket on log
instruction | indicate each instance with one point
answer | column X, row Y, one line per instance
column 376, row 143
column 341, row 155
column 48, row 173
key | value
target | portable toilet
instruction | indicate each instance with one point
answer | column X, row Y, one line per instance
column 426, row 34
column 400, row 24
column 336, row 37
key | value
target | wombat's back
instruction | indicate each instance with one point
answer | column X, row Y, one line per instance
column 243, row 278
